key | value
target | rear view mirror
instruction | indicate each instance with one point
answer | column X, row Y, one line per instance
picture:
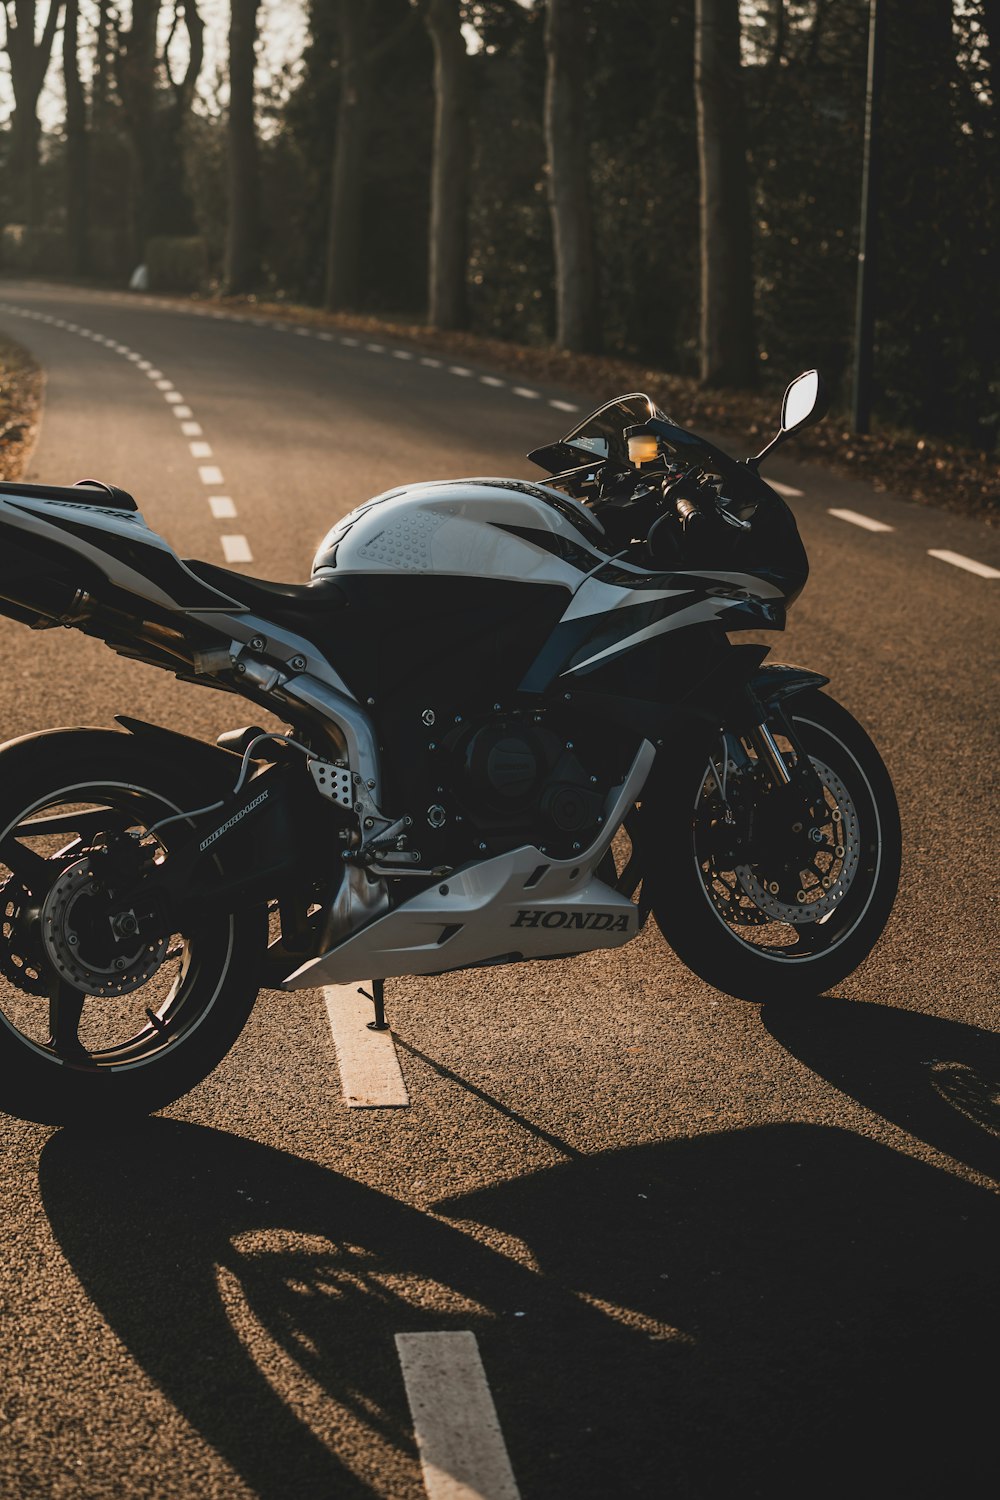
column 805, row 401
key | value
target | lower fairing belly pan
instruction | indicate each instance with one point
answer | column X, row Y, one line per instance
column 520, row 905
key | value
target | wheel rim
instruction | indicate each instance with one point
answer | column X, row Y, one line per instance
column 155, row 999
column 832, row 897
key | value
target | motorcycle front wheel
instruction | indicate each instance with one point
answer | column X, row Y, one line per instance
column 104, row 1017
column 759, row 896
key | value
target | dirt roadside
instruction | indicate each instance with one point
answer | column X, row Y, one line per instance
column 22, row 383
column 926, row 470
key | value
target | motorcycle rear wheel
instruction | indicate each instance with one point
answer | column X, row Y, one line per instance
column 168, row 1006
column 737, row 919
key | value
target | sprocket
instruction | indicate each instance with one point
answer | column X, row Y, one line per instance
column 18, row 961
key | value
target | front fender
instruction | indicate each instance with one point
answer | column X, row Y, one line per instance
column 776, row 682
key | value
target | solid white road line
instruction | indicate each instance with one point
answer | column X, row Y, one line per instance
column 223, row 508
column 788, row 490
column 982, row 570
column 370, row 1074
column 236, row 549
column 462, row 1452
column 856, row 519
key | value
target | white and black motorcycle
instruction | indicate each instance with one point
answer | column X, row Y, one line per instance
column 516, row 726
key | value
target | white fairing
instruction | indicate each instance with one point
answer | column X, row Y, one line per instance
column 456, row 527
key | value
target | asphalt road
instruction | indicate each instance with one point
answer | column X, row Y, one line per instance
column 705, row 1248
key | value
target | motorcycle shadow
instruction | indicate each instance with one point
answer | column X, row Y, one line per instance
column 937, row 1079
column 749, row 1312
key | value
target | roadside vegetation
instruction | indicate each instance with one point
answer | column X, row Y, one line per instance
column 596, row 192
column 21, row 387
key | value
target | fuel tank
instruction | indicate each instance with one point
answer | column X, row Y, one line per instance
column 503, row 530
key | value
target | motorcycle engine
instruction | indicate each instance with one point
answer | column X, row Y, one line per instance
column 514, row 779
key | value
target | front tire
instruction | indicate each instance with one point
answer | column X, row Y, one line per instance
column 763, row 919
column 150, row 1015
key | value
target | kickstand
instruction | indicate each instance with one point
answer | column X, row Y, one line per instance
column 378, row 1000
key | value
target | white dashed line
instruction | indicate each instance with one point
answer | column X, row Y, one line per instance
column 209, row 474
column 303, row 333
column 856, row 519
column 429, row 363
column 458, row 370
column 788, row 490
column 401, row 354
column 236, row 549
column 172, row 396
column 370, row 1075
column 564, row 406
column 981, row 570
column 462, row 1452
column 493, row 380
column 525, row 391
column 163, row 384
column 154, row 374
column 375, row 348
column 181, row 411
column 327, row 338
column 223, row 508
column 190, row 429
column 200, row 450
column 349, row 343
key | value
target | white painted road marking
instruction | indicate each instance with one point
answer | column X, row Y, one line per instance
column 370, row 1074
column 223, row 508
column 982, row 570
column 462, row 1452
column 200, row 450
column 210, row 474
column 857, row 519
column 564, row 406
column 526, row 392
column 189, row 429
column 236, row 549
column 788, row 490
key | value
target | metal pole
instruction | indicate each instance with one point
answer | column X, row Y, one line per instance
column 864, row 321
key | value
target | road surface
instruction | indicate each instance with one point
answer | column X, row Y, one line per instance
column 659, row 1242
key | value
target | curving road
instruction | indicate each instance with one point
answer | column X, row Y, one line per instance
column 704, row 1248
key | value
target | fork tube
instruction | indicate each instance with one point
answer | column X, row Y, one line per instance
column 767, row 745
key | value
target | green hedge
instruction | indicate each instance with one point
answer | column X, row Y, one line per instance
column 176, row 263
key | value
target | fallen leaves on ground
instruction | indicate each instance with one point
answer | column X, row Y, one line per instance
column 21, row 383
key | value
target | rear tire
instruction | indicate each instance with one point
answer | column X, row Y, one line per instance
column 156, row 1030
column 718, row 912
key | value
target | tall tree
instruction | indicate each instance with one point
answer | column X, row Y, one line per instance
column 577, row 317
column 242, row 263
column 77, row 154
column 357, row 61
column 154, row 117
column 343, row 256
column 727, row 350
column 29, row 63
column 446, row 300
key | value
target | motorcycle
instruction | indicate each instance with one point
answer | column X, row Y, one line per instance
column 513, row 727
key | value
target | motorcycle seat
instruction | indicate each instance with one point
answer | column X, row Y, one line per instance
column 302, row 607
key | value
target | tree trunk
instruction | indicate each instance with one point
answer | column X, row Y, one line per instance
column 728, row 352
column 242, row 229
column 135, row 63
column 343, row 259
column 77, row 152
column 29, row 62
column 577, row 317
column 450, row 168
